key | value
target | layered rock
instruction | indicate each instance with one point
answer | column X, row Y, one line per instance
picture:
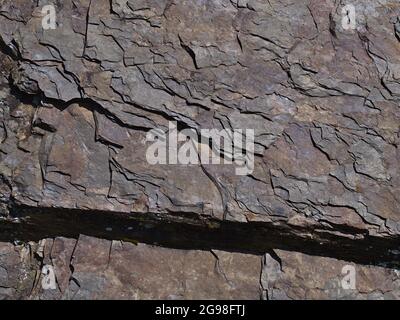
column 77, row 103
column 92, row 268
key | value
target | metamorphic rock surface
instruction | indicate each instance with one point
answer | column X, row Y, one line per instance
column 81, row 205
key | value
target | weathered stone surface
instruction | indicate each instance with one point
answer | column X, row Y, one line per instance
column 91, row 268
column 77, row 101
column 17, row 273
column 290, row 275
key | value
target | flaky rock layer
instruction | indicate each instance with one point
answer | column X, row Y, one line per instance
column 323, row 100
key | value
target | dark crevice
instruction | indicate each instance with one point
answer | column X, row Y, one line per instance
column 200, row 233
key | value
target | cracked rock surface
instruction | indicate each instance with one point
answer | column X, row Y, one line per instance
column 92, row 268
column 77, row 102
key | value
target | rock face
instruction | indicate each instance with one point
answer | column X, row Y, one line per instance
column 90, row 268
column 317, row 81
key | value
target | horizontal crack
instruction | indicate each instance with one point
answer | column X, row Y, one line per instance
column 193, row 232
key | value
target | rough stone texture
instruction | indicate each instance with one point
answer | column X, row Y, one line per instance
column 289, row 275
column 91, row 268
column 77, row 102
